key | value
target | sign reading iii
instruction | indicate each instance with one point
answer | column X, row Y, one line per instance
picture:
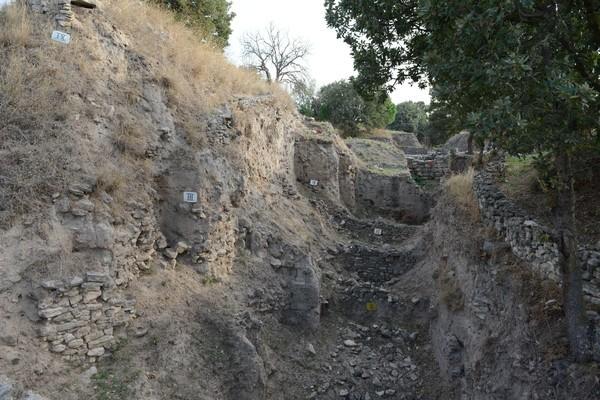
column 190, row 197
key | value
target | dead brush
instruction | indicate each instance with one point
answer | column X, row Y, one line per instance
column 199, row 75
column 34, row 143
column 460, row 188
column 129, row 138
column 16, row 26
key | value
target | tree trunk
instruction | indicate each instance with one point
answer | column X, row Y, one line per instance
column 564, row 213
column 470, row 143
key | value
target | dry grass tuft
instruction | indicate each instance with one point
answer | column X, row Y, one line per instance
column 16, row 26
column 129, row 138
column 460, row 188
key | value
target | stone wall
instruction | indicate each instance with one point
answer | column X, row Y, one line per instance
column 532, row 242
column 59, row 9
column 81, row 315
column 429, row 166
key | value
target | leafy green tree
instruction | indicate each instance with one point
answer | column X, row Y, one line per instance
column 524, row 73
column 211, row 18
column 340, row 104
column 440, row 126
column 410, row 117
column 380, row 111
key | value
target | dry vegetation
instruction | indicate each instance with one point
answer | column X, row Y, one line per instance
column 195, row 72
column 33, row 147
column 47, row 93
column 460, row 188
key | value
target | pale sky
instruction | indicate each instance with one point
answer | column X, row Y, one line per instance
column 330, row 58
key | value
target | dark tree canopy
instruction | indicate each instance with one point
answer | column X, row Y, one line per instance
column 410, row 117
column 211, row 18
column 340, row 104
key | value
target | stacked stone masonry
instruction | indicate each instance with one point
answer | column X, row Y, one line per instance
column 82, row 316
column 532, row 242
column 430, row 166
column 59, row 9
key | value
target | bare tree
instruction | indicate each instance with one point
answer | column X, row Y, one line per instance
column 276, row 56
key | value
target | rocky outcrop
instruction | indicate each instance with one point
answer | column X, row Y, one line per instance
column 303, row 305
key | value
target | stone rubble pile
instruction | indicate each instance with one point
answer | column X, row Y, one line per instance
column 370, row 362
column 81, row 316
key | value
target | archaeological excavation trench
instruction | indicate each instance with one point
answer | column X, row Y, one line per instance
column 190, row 242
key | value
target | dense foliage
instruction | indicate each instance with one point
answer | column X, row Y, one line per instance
column 340, row 104
column 211, row 18
column 410, row 117
column 524, row 73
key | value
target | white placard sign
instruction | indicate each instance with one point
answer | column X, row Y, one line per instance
column 378, row 231
column 314, row 182
column 61, row 37
column 190, row 197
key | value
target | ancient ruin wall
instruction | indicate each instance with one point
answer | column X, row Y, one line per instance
column 60, row 10
column 531, row 241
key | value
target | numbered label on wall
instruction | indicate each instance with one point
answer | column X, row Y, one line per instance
column 190, row 197
column 314, row 182
column 61, row 37
column 378, row 231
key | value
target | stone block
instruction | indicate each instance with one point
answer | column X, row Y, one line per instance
column 75, row 343
column 70, row 325
column 90, row 296
column 48, row 313
column 96, row 352
column 102, row 341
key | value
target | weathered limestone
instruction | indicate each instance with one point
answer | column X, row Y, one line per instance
column 303, row 307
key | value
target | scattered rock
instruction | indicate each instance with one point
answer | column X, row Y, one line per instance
column 32, row 396
column 6, row 388
column 170, row 253
column 140, row 331
column 181, row 247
